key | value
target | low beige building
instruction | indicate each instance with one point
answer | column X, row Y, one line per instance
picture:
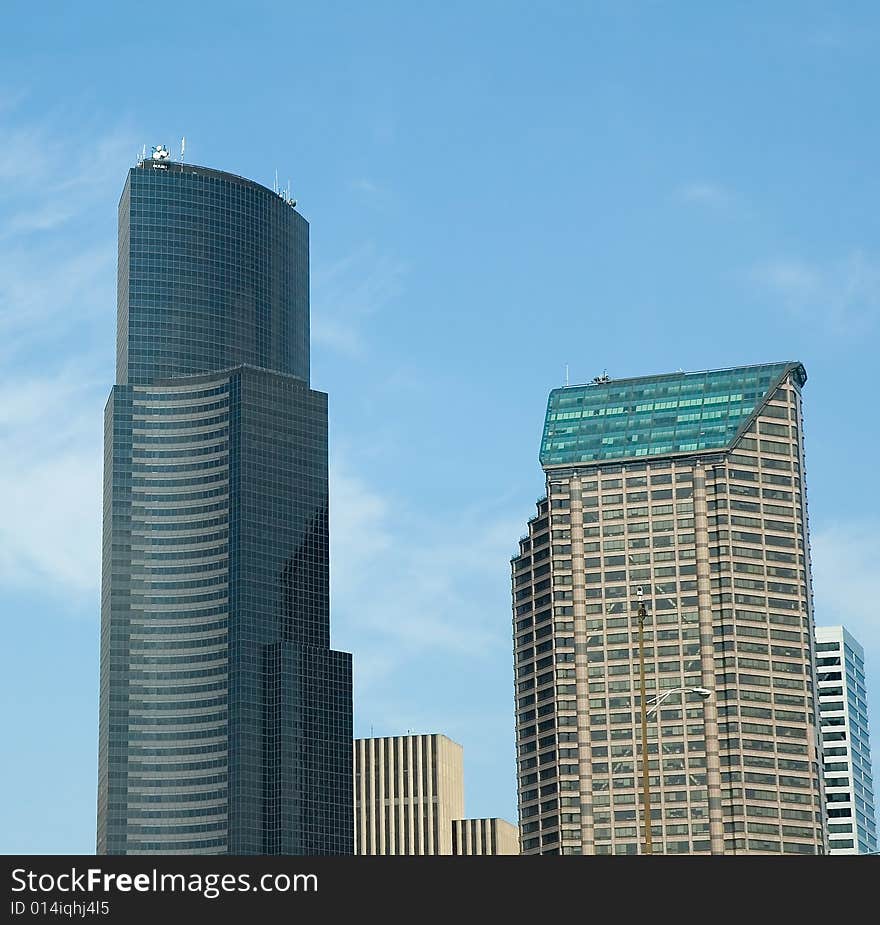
column 409, row 800
column 484, row 836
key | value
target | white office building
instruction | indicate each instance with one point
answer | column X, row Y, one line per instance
column 843, row 710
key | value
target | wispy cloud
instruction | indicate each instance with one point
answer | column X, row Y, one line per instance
column 401, row 591
column 45, row 218
column 846, row 572
column 50, row 473
column 49, row 163
column 705, row 194
column 363, row 185
column 371, row 192
column 58, row 191
column 11, row 98
column 49, row 294
column 423, row 603
column 791, row 278
column 347, row 292
column 841, row 296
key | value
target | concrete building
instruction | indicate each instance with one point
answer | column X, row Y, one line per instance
column 846, row 746
column 691, row 486
column 225, row 717
column 484, row 836
column 409, row 799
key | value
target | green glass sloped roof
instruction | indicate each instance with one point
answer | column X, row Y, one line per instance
column 656, row 415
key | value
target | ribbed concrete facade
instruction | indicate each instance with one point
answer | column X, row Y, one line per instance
column 407, row 791
column 692, row 487
column 484, row 836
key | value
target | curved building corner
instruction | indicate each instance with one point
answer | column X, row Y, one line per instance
column 225, row 716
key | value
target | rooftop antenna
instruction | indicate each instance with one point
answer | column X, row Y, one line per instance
column 160, row 155
column 566, row 375
column 182, row 149
column 276, row 180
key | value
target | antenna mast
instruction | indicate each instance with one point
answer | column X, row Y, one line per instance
column 182, row 149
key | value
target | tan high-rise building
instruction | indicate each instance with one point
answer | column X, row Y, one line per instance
column 409, row 799
column 690, row 486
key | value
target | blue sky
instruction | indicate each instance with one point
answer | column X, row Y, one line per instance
column 494, row 190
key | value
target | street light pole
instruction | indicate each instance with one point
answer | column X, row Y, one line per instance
column 646, row 784
column 655, row 704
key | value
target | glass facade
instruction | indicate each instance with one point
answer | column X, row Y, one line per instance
column 656, row 415
column 213, row 273
column 225, row 717
column 717, row 541
column 846, row 746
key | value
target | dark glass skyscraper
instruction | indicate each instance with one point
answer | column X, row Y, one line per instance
column 225, row 717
